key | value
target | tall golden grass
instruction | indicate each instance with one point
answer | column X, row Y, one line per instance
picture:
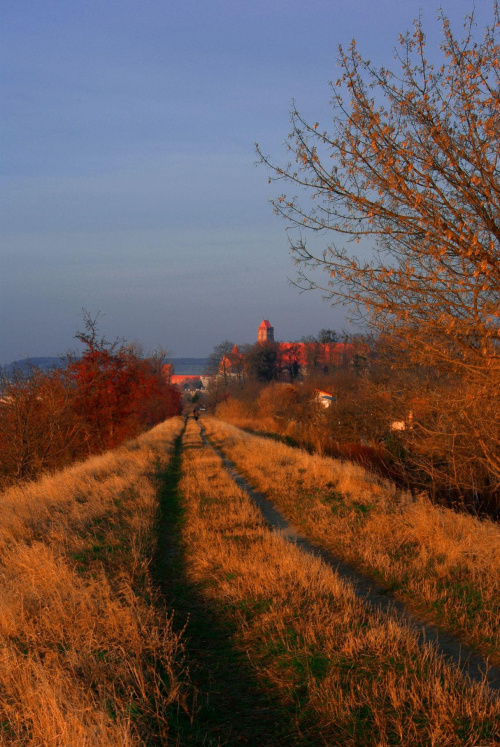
column 86, row 658
column 442, row 564
column 348, row 675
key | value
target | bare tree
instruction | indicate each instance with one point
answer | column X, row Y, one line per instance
column 219, row 363
column 412, row 164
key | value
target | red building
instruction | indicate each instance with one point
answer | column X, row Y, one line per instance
column 265, row 333
column 295, row 357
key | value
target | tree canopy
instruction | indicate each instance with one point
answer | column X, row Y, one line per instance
column 412, row 163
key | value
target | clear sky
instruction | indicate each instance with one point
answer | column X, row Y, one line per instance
column 129, row 183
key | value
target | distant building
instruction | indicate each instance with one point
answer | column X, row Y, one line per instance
column 265, row 333
column 181, row 381
column 168, row 371
column 323, row 356
column 231, row 362
column 325, row 399
column 296, row 358
column 308, row 355
column 186, row 382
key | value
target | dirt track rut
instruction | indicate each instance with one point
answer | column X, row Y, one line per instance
column 450, row 647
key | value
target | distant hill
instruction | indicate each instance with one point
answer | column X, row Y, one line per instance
column 44, row 363
column 182, row 366
column 189, row 366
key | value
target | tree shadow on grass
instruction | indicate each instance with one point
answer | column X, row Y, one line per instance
column 232, row 707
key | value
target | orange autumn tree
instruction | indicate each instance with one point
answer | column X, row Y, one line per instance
column 411, row 166
column 117, row 393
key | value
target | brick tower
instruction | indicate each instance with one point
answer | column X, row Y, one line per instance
column 265, row 333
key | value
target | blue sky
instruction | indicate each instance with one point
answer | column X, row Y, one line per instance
column 128, row 178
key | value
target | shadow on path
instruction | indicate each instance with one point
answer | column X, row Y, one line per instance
column 232, row 708
column 450, row 647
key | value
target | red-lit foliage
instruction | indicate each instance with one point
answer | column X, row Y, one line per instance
column 49, row 419
column 118, row 394
column 38, row 427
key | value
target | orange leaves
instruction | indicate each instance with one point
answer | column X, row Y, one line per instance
column 414, row 167
column 117, row 394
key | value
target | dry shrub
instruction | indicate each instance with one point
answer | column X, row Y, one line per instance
column 441, row 563
column 275, row 408
column 235, row 408
column 343, row 671
column 87, row 658
column 243, row 414
column 451, row 447
column 292, row 411
column 447, row 444
column 278, row 400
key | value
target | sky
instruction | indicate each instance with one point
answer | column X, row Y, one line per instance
column 129, row 183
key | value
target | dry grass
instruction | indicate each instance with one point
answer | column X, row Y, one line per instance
column 348, row 675
column 443, row 564
column 86, row 658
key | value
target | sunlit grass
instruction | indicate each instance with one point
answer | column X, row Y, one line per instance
column 346, row 674
column 85, row 657
column 443, row 564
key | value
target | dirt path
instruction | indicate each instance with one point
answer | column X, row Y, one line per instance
column 230, row 706
column 450, row 647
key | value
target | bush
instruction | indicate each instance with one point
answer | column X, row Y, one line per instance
column 49, row 419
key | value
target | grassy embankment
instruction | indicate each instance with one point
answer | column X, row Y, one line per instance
column 442, row 564
column 345, row 674
column 87, row 655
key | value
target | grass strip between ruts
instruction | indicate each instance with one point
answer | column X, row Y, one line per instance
column 231, row 706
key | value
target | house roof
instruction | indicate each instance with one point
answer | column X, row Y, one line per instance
column 184, row 379
column 265, row 324
column 328, row 352
column 323, row 394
